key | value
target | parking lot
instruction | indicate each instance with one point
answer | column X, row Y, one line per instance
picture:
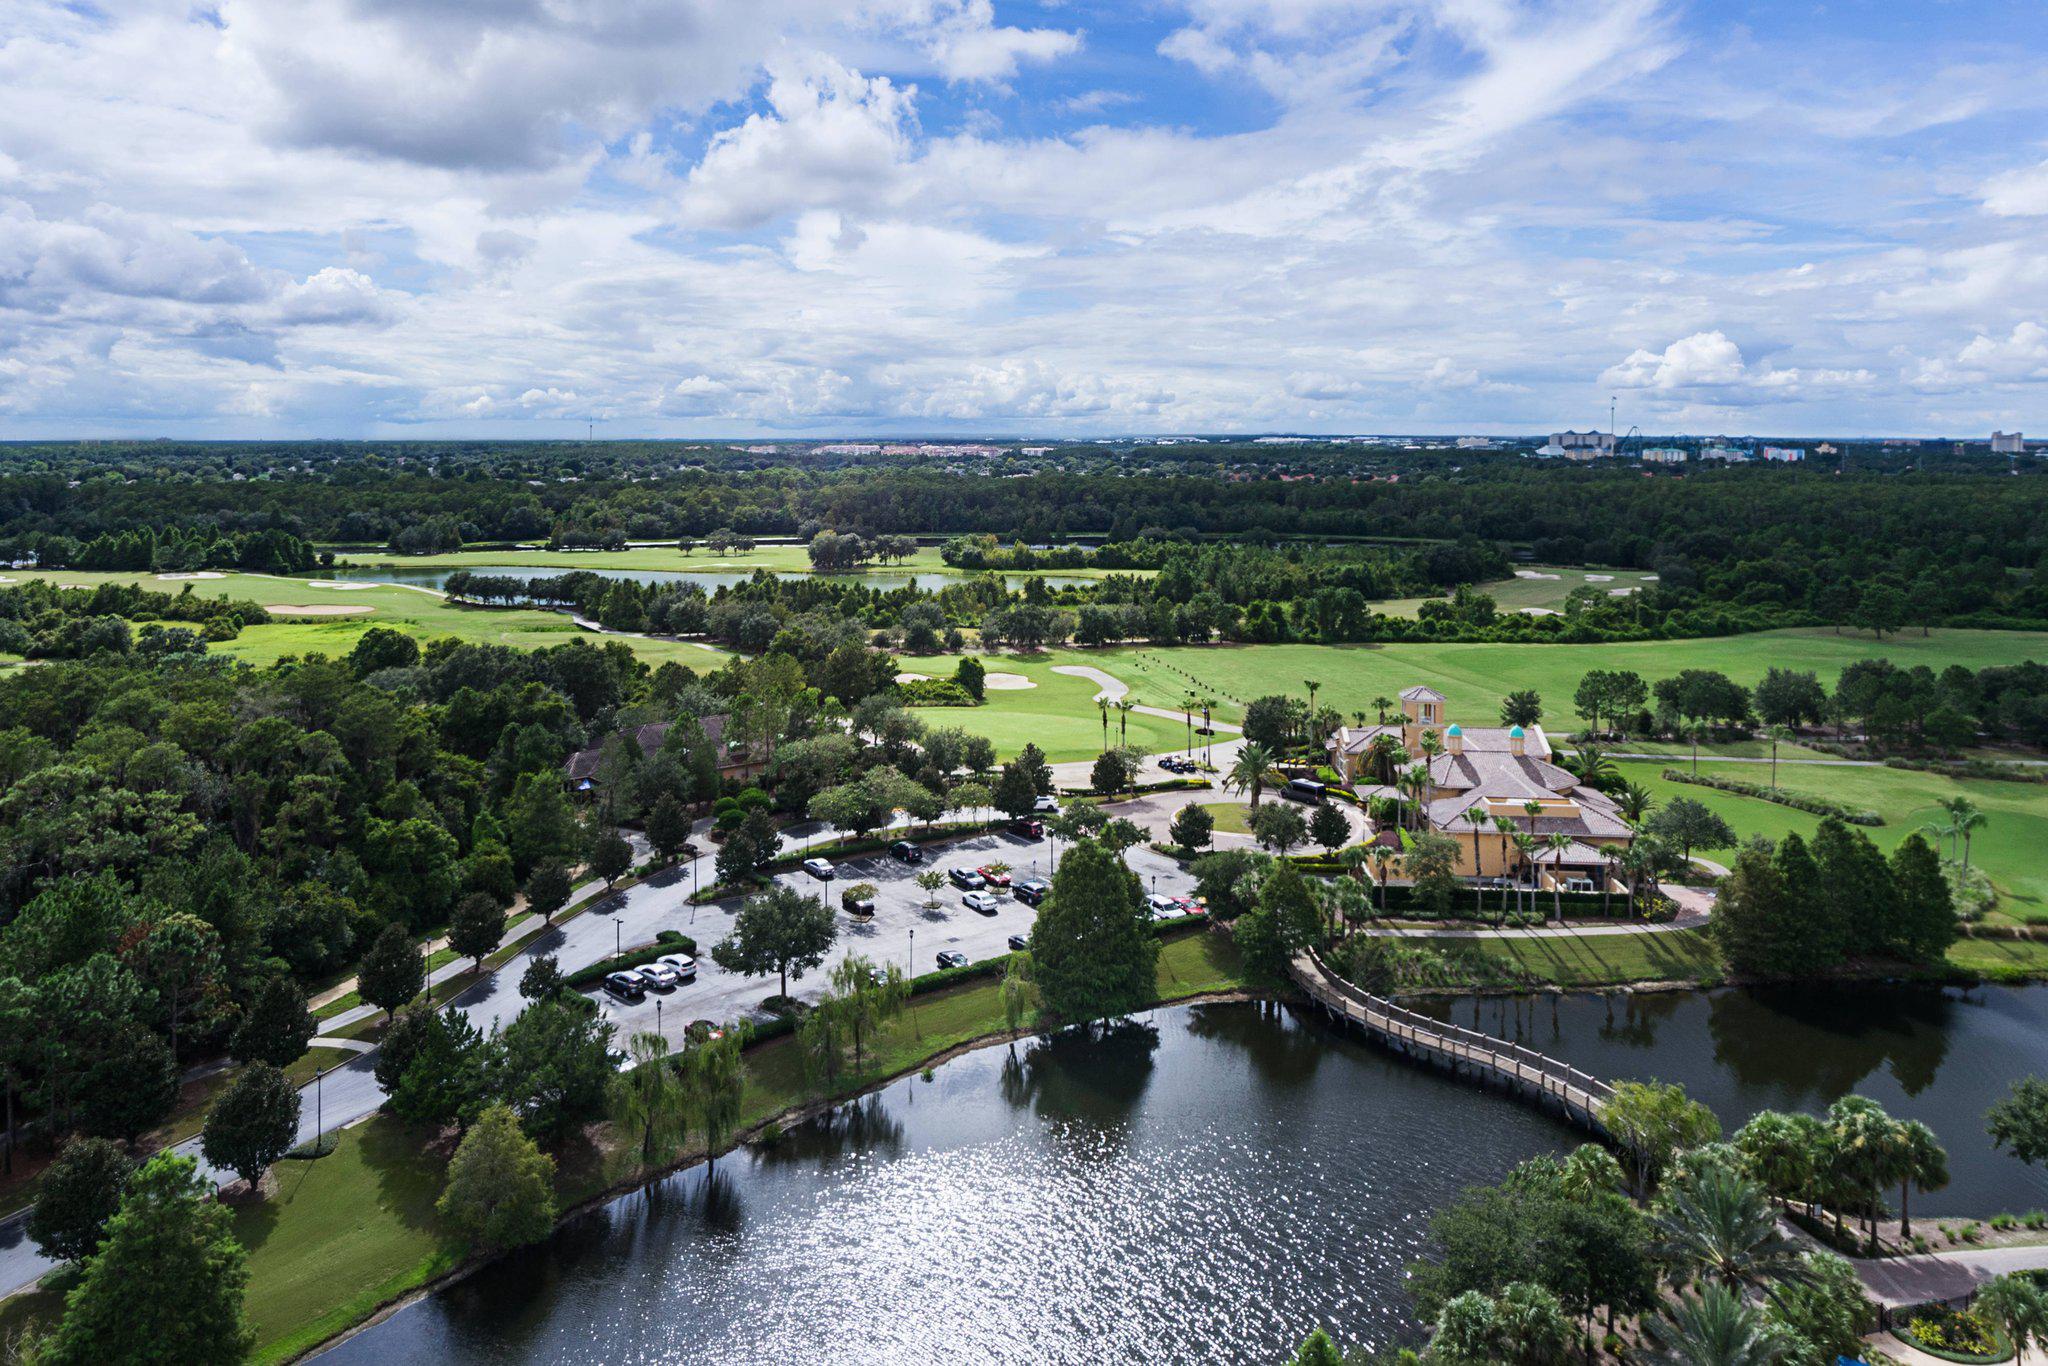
column 904, row 929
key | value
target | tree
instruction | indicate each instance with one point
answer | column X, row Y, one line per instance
column 277, row 1026
column 972, row 677
column 717, row 1079
column 1019, row 995
column 179, row 957
column 1691, row 825
column 1112, row 772
column 1192, row 827
column 1317, row 1349
column 1521, row 708
column 1718, row 1224
column 1823, row 1311
column 668, row 828
column 1920, row 1161
column 557, row 1066
column 1790, row 699
column 2019, row 1122
column 547, row 891
column 780, row 931
column 610, row 855
column 1092, row 948
column 1269, row 721
column 2017, row 1304
column 392, row 972
column 1328, row 828
column 1432, row 862
column 1524, row 1326
column 1926, row 924
column 1284, row 920
column 476, row 928
column 449, row 1073
column 1251, row 771
column 80, row 1192
column 167, row 1282
column 254, row 1123
column 1278, row 827
column 500, row 1192
column 19, row 1012
column 1714, row 1328
column 1015, row 793
column 543, row 979
column 1655, row 1121
column 866, row 998
column 648, row 1097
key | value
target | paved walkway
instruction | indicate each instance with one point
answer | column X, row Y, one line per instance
column 347, row 1045
column 1900, row 1281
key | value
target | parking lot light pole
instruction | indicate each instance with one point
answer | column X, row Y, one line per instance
column 657, row 1015
column 618, row 936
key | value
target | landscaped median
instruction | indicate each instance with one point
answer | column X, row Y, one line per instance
column 343, row 1237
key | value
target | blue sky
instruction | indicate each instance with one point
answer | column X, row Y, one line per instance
column 792, row 217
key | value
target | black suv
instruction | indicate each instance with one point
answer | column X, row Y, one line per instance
column 903, row 851
column 1030, row 890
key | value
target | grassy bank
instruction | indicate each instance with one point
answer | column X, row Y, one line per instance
column 342, row 1236
column 776, row 558
column 2008, row 848
column 1057, row 712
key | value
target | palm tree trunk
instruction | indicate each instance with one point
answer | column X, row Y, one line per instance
column 1905, row 1210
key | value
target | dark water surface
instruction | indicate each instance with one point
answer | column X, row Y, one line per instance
column 1206, row 1187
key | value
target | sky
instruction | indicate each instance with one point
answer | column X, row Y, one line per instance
column 513, row 218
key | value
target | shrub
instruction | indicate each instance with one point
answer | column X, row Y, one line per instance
column 1819, row 806
column 1953, row 1334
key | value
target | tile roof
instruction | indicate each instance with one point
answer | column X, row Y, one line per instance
column 581, row 766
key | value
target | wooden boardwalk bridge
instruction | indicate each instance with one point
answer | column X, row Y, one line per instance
column 1462, row 1051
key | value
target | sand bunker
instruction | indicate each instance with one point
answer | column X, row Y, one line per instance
column 1538, row 612
column 1532, row 574
column 337, row 587
column 5, row 579
column 323, row 609
column 1006, row 682
column 912, row 678
column 1622, row 592
column 1599, row 578
column 1647, row 578
column 195, row 574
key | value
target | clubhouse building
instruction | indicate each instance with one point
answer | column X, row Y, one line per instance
column 1479, row 776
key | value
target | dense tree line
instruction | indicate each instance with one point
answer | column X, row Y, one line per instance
column 42, row 621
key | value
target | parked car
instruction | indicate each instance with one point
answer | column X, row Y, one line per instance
column 681, row 964
column 1046, row 806
column 993, row 877
column 860, row 907
column 1027, row 827
column 1031, row 890
column 903, row 851
column 1189, row 905
column 966, row 879
column 1018, row 943
column 1162, row 905
column 1303, row 790
column 702, row 1030
column 984, row 902
column 819, row 868
column 950, row 958
column 659, row 975
column 625, row 985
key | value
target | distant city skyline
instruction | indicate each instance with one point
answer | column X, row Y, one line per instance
column 794, row 219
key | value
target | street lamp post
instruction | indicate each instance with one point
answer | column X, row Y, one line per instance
column 618, row 936
column 657, row 1015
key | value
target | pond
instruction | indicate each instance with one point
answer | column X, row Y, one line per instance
column 1207, row 1184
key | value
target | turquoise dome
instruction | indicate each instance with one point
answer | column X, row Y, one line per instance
column 1515, row 734
column 1455, row 731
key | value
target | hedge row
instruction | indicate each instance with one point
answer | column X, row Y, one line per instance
column 1975, row 768
column 1163, row 785
column 668, row 941
column 1818, row 806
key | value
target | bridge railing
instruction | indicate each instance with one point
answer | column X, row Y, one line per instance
column 1414, row 1027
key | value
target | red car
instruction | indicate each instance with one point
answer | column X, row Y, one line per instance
column 1028, row 828
column 994, row 878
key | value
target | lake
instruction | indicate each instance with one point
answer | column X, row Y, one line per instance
column 1206, row 1185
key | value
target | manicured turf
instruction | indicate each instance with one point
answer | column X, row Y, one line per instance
column 417, row 613
column 1234, row 817
column 1547, row 592
column 2008, row 848
column 1474, row 678
column 780, row 558
column 1058, row 715
column 1607, row 959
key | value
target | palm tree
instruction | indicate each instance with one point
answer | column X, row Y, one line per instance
column 1416, row 783
column 1124, row 706
column 1532, row 809
column 1969, row 820
column 1720, row 1226
column 1381, row 706
column 1779, row 735
column 1921, row 1162
column 1475, row 816
column 1505, row 826
column 1558, row 842
column 1591, row 767
column 1252, row 770
column 1431, row 745
column 1383, row 863
column 1187, row 703
column 1102, row 704
column 1208, row 730
column 1313, row 688
column 1633, row 800
column 2019, row 1306
column 1382, row 755
column 1525, row 847
column 1713, row 1328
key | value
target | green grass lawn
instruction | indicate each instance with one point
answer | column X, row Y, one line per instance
column 1548, row 591
column 1232, row 817
column 1058, row 714
column 417, row 613
column 2008, row 848
column 1607, row 959
column 1474, row 678
column 779, row 558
